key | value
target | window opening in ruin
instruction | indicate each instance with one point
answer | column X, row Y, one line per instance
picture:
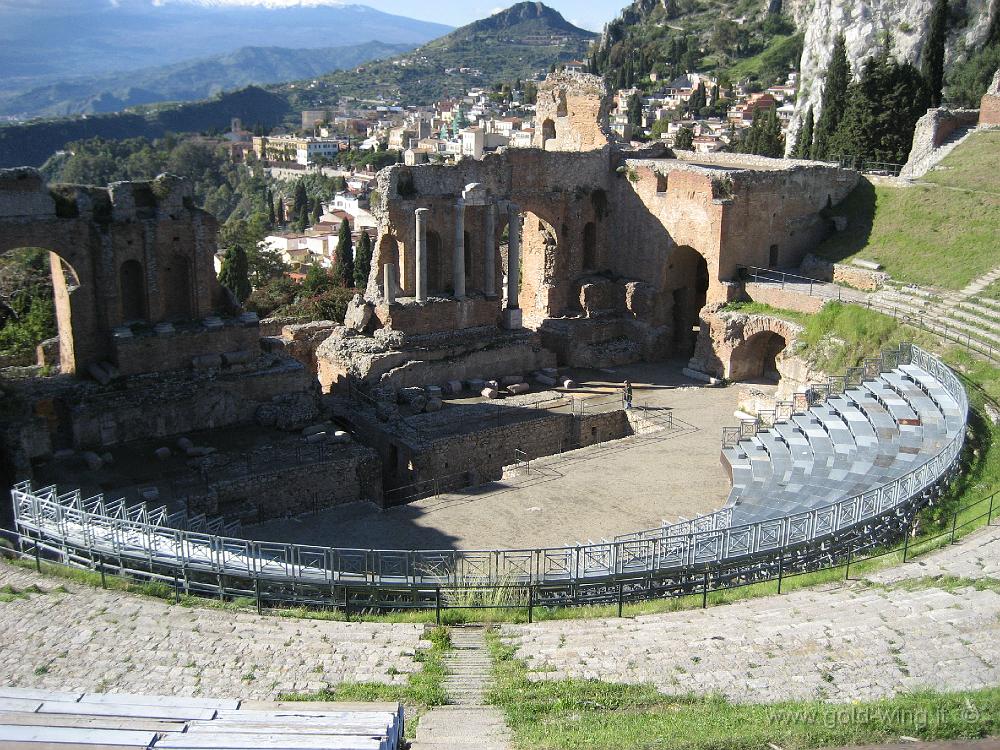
column 661, row 183
column 548, row 132
column 772, row 256
column 132, row 291
column 589, row 246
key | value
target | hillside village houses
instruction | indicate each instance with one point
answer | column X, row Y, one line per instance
column 479, row 122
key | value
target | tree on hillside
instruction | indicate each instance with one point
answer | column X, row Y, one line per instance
column 300, row 202
column 699, row 98
column 764, row 137
column 684, row 139
column 343, row 269
column 883, row 107
column 932, row 57
column 804, row 140
column 235, row 273
column 271, row 217
column 317, row 211
column 834, row 102
column 317, row 281
column 363, row 261
column 634, row 110
column 281, row 218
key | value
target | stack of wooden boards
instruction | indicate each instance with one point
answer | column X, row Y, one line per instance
column 46, row 720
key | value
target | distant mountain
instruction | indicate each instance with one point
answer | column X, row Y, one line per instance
column 188, row 81
column 519, row 42
column 43, row 42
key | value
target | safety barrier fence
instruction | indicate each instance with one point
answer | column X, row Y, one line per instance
column 674, row 561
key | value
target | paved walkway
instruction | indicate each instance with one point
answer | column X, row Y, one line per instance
column 565, row 498
column 93, row 640
column 843, row 642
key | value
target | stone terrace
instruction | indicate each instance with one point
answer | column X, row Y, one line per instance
column 845, row 642
column 95, row 640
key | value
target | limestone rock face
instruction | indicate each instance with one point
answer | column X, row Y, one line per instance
column 863, row 24
column 359, row 314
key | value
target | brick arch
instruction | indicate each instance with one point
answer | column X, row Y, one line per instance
column 754, row 349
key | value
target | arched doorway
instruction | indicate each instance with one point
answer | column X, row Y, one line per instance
column 176, row 288
column 132, row 291
column 388, row 253
column 540, row 265
column 757, row 357
column 548, row 132
column 37, row 303
column 589, row 246
column 689, row 276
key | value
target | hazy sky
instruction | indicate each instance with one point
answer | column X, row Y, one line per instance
column 587, row 14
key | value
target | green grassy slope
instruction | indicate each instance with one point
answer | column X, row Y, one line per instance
column 941, row 232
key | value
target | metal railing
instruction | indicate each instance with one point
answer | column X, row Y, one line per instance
column 673, row 560
column 869, row 166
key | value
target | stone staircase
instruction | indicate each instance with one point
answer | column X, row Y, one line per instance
column 466, row 722
column 965, row 315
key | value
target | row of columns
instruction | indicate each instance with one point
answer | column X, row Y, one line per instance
column 458, row 254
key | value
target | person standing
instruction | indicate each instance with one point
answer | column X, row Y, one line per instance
column 627, row 394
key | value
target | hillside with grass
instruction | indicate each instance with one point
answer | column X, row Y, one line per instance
column 941, row 232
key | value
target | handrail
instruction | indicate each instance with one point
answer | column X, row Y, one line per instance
column 66, row 523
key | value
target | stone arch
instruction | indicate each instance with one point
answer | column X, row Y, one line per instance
column 177, row 289
column 688, row 284
column 387, row 252
column 73, row 302
column 548, row 131
column 540, row 241
column 757, row 357
column 132, row 291
column 589, row 246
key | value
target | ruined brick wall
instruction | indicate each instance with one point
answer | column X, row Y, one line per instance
column 352, row 473
column 843, row 273
column 187, row 347
column 571, row 113
column 132, row 251
column 989, row 107
column 784, row 299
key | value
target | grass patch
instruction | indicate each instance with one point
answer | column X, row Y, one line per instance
column 992, row 291
column 909, row 230
column 780, row 53
column 422, row 689
column 972, row 166
column 597, row 715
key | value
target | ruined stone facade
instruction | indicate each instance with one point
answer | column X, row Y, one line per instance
column 989, row 107
column 605, row 255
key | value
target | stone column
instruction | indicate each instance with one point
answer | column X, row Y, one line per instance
column 389, row 283
column 421, row 218
column 512, row 315
column 458, row 254
column 513, row 254
column 490, row 254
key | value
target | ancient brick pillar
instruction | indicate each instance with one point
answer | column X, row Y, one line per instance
column 421, row 219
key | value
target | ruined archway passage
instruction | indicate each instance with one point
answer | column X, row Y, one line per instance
column 757, row 357
column 539, row 269
column 439, row 276
column 689, row 280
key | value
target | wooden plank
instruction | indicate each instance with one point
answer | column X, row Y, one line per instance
column 313, row 706
column 93, row 722
column 26, row 705
column 40, row 695
column 367, row 730
column 209, row 741
column 176, row 701
column 305, row 716
column 8, row 745
column 143, row 712
column 58, row 735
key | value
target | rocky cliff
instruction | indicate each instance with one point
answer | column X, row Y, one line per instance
column 864, row 23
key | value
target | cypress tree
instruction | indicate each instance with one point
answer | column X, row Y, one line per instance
column 282, row 219
column 300, row 204
column 932, row 58
column 317, row 211
column 804, row 142
column 838, row 76
column 235, row 273
column 270, row 208
column 684, row 139
column 363, row 261
column 343, row 269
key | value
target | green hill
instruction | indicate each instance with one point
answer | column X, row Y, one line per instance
column 940, row 232
column 519, row 42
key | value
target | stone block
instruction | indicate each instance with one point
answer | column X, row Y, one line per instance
column 518, row 388
column 433, row 404
column 495, row 385
column 569, row 384
column 316, row 437
column 433, row 391
column 272, row 344
column 98, row 373
column 490, row 393
column 206, row 362
column 408, row 395
column 419, row 403
column 475, row 384
column 358, row 315
column 242, row 357
column 454, row 387
column 545, row 380
column 513, row 319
